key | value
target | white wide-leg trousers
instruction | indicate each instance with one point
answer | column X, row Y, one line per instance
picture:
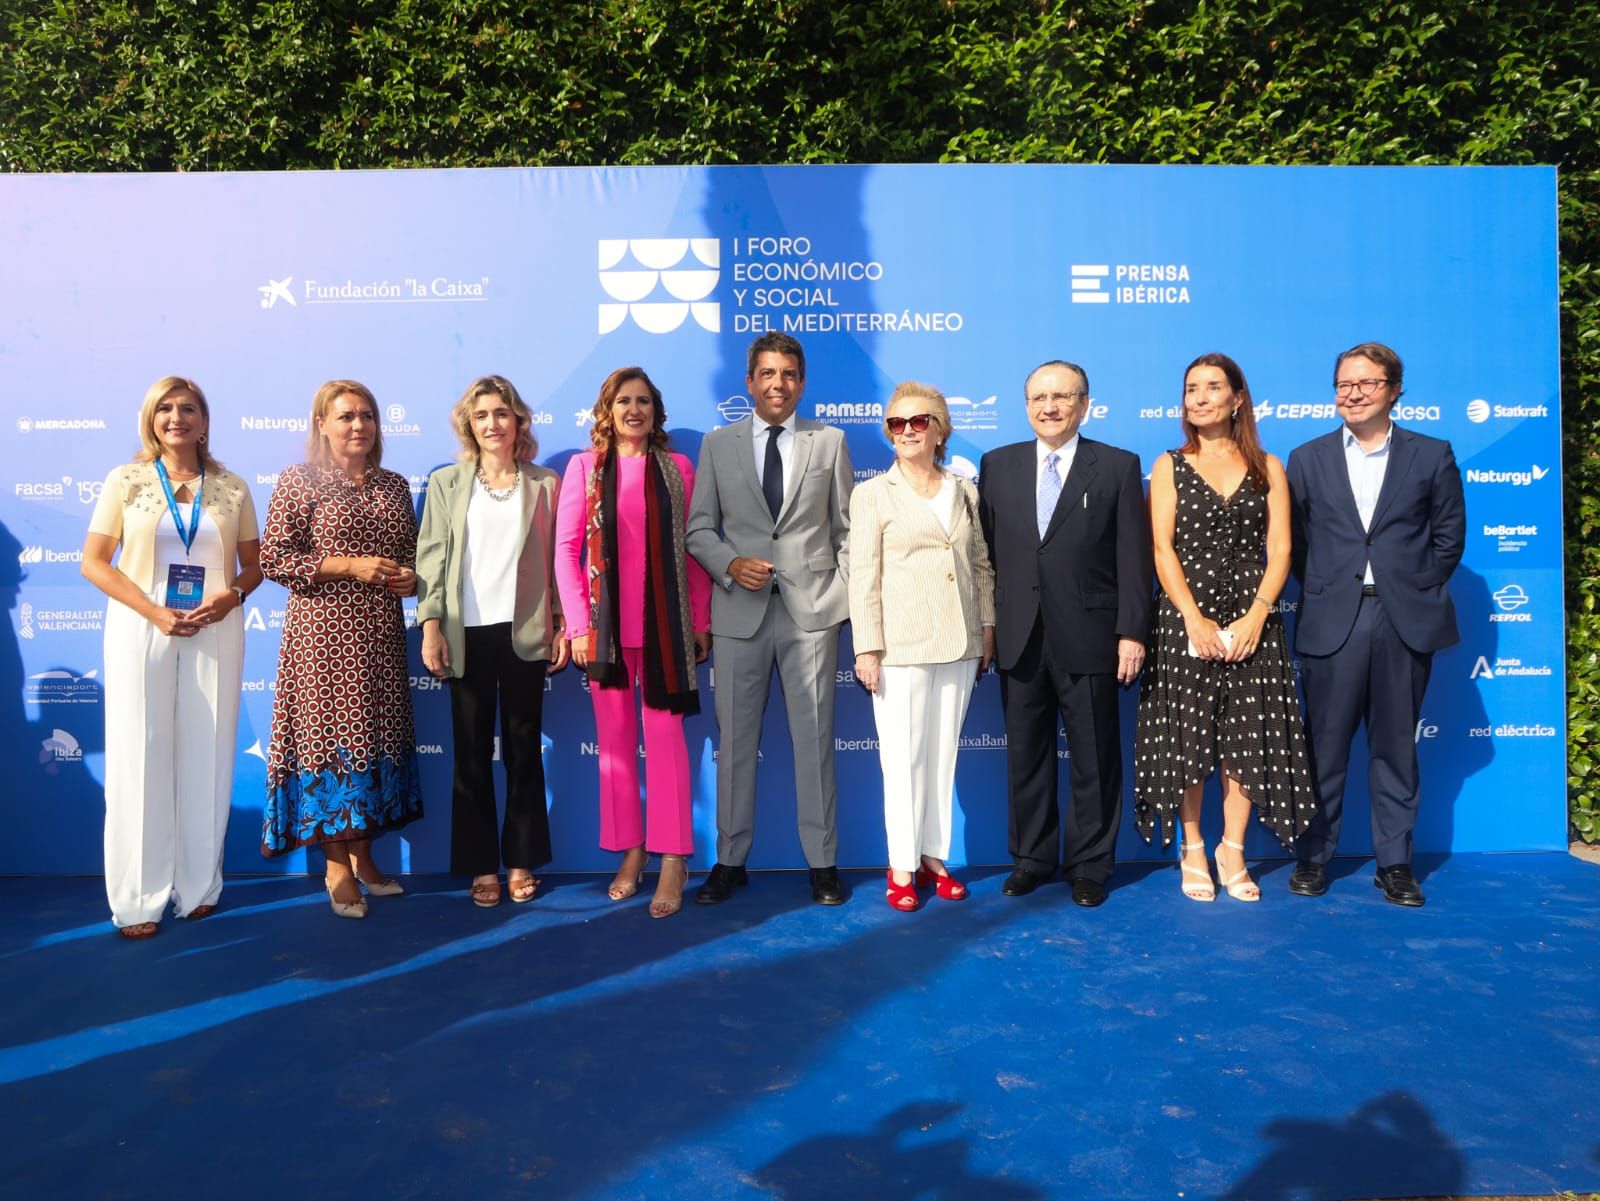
column 172, row 716
column 919, row 710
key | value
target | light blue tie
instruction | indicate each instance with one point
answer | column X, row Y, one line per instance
column 1049, row 493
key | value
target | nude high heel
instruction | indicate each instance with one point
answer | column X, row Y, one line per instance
column 1194, row 889
column 1239, row 885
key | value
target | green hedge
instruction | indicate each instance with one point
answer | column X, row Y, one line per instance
column 230, row 85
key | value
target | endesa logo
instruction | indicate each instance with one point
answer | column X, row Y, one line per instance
column 686, row 270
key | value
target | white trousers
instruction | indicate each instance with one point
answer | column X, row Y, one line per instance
column 172, row 716
column 919, row 710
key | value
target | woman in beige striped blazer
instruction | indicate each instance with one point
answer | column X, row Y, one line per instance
column 922, row 622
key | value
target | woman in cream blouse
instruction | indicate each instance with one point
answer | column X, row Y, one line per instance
column 491, row 625
column 922, row 621
column 174, row 655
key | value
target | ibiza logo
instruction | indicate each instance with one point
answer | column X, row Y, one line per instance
column 684, row 269
column 25, row 620
column 61, row 747
column 275, row 290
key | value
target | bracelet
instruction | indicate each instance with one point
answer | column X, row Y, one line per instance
column 1264, row 601
column 240, row 593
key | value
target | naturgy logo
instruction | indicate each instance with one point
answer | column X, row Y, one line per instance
column 658, row 265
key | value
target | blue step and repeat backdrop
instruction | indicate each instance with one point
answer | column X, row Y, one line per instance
column 262, row 286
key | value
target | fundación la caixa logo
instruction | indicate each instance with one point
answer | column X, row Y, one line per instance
column 660, row 283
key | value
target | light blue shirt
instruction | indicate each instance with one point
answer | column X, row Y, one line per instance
column 1366, row 468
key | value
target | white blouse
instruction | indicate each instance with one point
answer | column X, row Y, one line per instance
column 489, row 564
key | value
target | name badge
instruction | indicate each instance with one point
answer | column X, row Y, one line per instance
column 186, row 585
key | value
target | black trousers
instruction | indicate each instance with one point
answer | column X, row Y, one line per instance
column 1037, row 694
column 493, row 673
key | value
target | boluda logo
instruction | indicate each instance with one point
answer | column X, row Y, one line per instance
column 1130, row 283
column 685, row 269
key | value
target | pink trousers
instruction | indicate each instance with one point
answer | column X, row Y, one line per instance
column 667, row 827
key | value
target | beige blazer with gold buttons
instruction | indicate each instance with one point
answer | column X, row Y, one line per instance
column 917, row 594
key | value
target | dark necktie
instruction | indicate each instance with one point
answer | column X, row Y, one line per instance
column 772, row 472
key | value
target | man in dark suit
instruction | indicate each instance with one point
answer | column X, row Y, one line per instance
column 1070, row 540
column 769, row 519
column 1379, row 525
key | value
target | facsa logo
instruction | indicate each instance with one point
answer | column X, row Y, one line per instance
column 275, row 290
column 735, row 408
column 658, row 263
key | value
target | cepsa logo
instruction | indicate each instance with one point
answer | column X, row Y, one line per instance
column 1328, row 411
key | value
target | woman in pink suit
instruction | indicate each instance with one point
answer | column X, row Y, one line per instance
column 638, row 615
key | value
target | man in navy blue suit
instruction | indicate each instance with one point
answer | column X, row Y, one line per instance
column 1379, row 525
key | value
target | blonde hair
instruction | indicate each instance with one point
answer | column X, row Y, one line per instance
column 934, row 404
column 527, row 446
column 317, row 445
column 150, row 445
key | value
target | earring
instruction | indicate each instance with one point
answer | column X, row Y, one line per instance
column 202, row 439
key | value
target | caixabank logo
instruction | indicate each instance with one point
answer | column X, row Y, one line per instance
column 660, row 283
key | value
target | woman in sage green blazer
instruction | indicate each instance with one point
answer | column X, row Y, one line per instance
column 492, row 627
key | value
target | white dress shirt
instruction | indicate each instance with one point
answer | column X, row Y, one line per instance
column 759, row 436
column 1064, row 453
column 1366, row 468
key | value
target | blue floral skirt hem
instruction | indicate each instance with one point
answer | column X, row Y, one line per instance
column 327, row 806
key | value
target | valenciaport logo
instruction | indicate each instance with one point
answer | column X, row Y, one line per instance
column 1511, row 603
column 967, row 413
column 1480, row 410
column 1516, row 478
column 61, row 747
column 1130, row 283
column 735, row 408
column 660, row 283
column 62, row 687
column 40, row 425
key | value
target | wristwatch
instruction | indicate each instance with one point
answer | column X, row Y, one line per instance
column 240, row 593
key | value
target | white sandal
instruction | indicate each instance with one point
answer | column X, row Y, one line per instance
column 1194, row 891
column 1239, row 885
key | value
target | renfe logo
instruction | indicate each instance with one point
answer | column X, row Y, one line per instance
column 660, row 258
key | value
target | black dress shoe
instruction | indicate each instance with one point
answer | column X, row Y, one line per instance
column 825, row 886
column 1087, row 892
column 1021, row 882
column 719, row 884
column 1399, row 885
column 1309, row 879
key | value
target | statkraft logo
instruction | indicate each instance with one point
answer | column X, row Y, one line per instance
column 1517, row 479
column 1480, row 410
column 659, row 283
column 1326, row 410
column 1512, row 605
column 1130, row 283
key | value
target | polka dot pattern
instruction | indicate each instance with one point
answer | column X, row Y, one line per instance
column 342, row 763
column 1193, row 711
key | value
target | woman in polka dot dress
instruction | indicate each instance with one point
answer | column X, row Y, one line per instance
column 1219, row 688
column 341, row 535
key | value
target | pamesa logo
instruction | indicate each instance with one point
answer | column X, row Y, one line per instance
column 685, row 269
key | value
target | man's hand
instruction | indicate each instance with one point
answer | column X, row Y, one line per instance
column 1130, row 660
column 751, row 574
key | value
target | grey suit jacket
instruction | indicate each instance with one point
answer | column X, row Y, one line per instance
column 730, row 518
column 441, row 546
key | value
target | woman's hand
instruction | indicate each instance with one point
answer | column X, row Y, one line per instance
column 174, row 624
column 1202, row 632
column 988, row 651
column 868, row 674
column 1247, row 633
column 435, row 652
column 215, row 607
column 403, row 582
column 580, row 649
column 371, row 569
column 702, row 645
column 560, row 652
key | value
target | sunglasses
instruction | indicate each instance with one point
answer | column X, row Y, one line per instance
column 918, row 423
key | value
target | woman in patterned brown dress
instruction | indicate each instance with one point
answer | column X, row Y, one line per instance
column 1219, row 689
column 342, row 537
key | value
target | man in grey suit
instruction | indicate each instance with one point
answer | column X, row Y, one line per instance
column 769, row 519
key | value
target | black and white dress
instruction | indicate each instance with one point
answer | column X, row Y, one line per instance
column 1194, row 712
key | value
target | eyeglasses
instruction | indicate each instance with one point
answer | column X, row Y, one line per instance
column 919, row 423
column 1039, row 399
column 1364, row 386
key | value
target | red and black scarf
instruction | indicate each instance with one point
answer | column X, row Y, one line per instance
column 670, row 681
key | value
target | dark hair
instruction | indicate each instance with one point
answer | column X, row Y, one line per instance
column 1244, row 419
column 1082, row 374
column 604, row 432
column 1380, row 354
column 778, row 343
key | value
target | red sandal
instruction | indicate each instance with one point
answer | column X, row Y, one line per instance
column 903, row 896
column 947, row 886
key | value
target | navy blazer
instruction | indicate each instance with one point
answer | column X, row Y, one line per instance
column 1419, row 529
column 1090, row 575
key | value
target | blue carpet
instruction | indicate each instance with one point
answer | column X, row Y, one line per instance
column 998, row 1048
